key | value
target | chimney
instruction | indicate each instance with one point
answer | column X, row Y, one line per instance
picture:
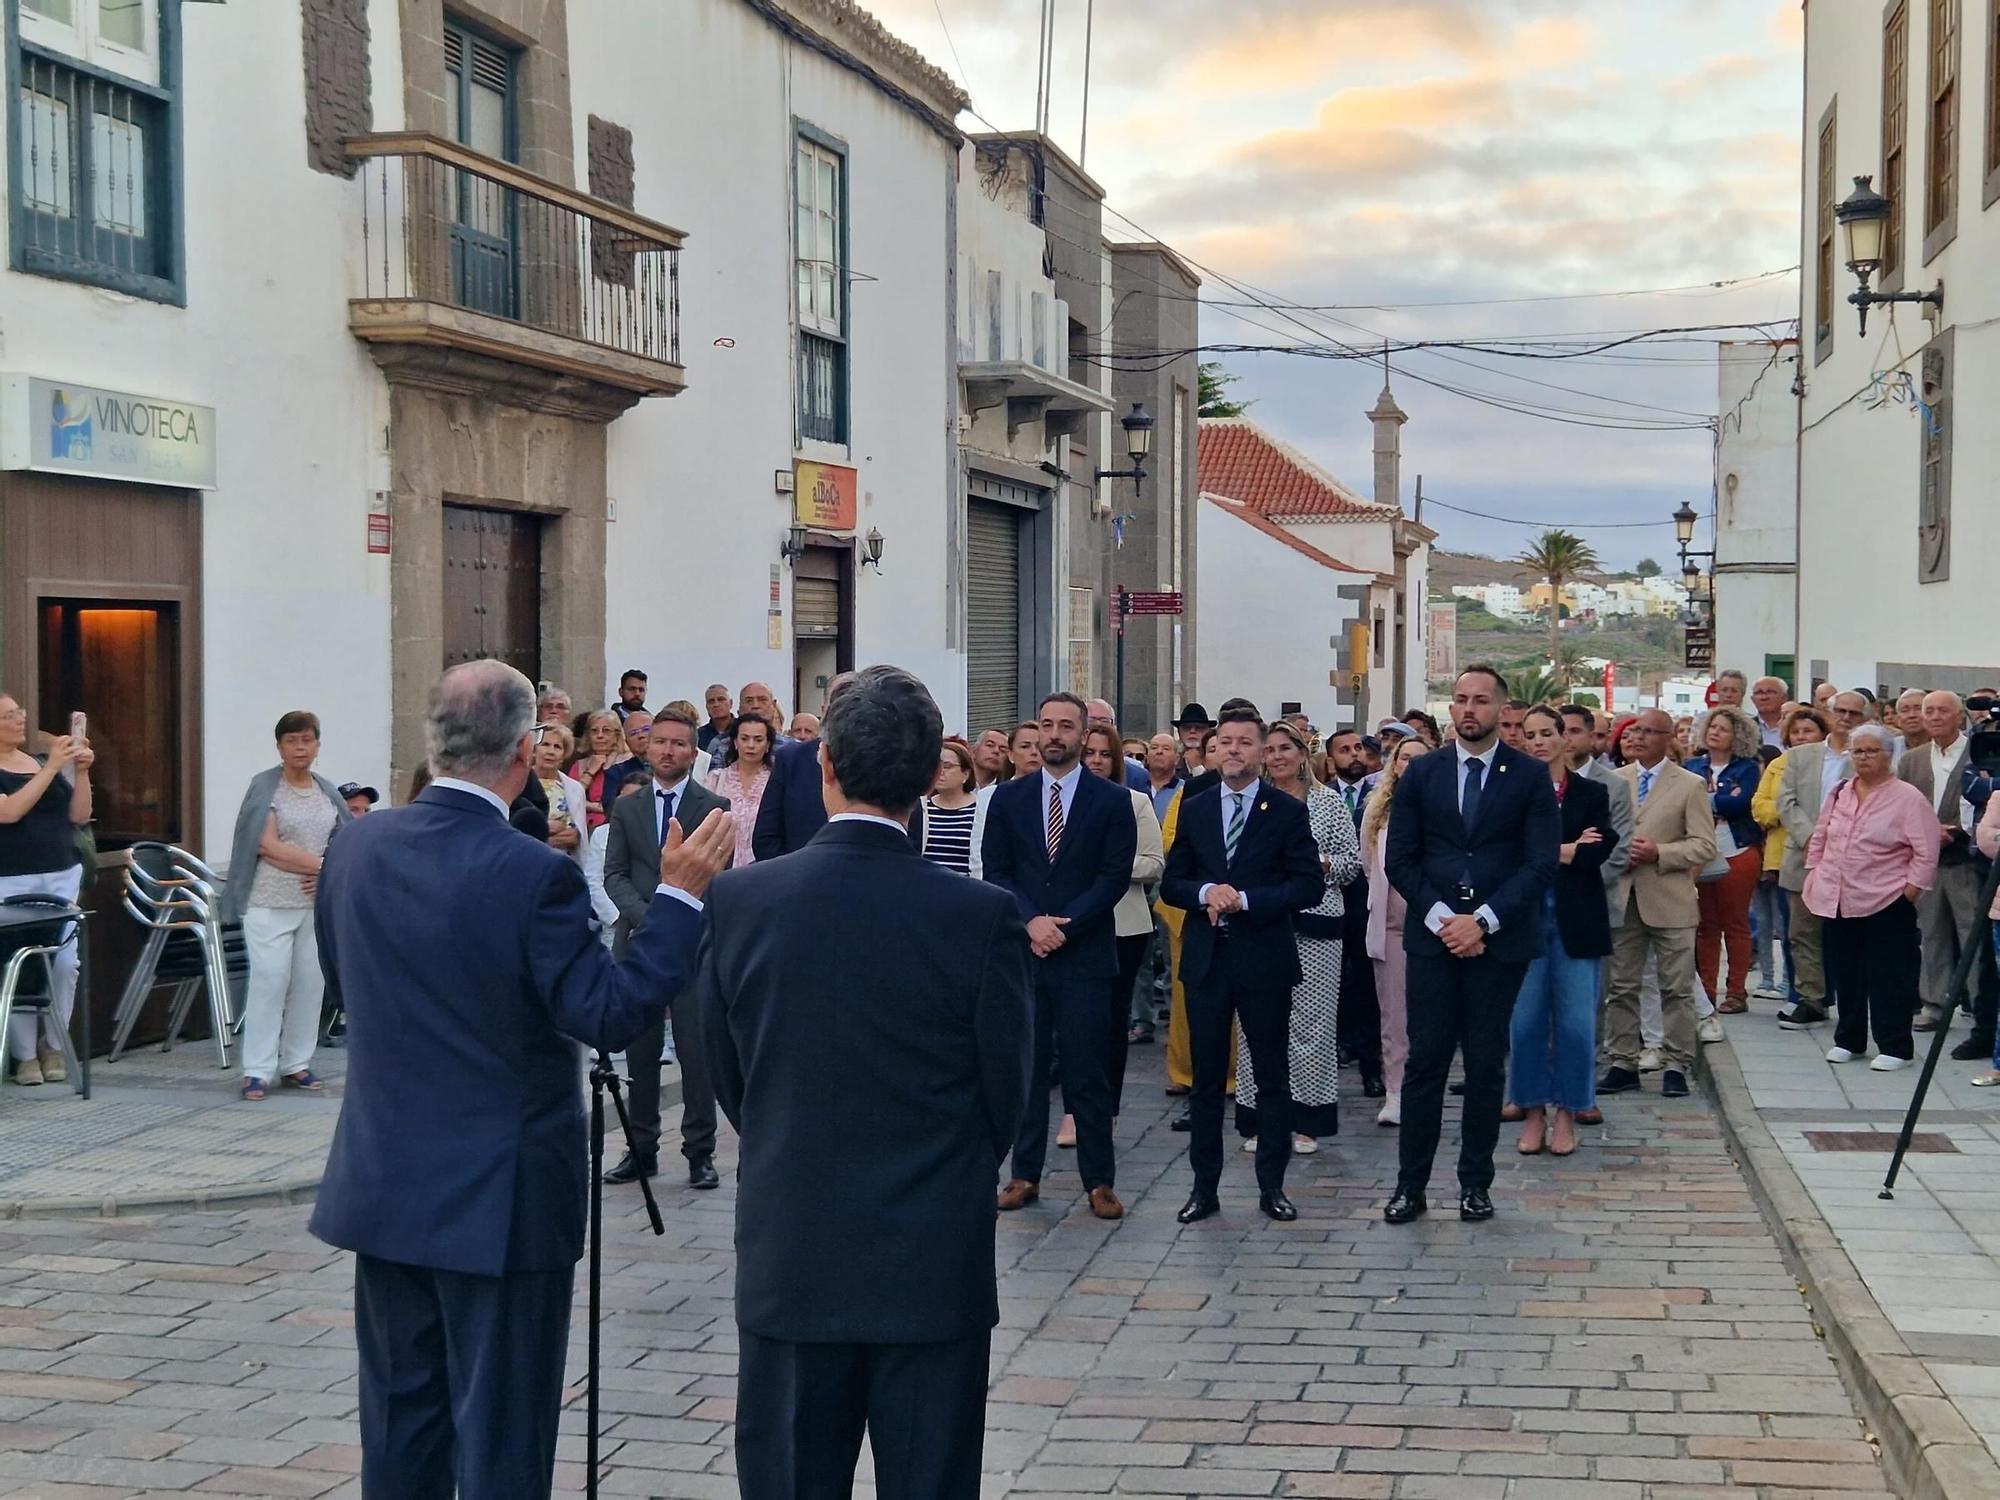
column 1388, row 419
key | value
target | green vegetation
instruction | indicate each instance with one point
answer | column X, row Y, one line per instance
column 1560, row 557
column 1214, row 399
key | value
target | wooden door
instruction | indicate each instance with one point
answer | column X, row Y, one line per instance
column 493, row 587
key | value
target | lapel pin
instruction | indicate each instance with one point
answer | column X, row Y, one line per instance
column 1263, row 807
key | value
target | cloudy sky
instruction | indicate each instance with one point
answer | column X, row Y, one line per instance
column 1360, row 156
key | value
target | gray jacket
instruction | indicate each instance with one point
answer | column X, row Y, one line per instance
column 1617, row 870
column 250, row 821
column 1799, row 798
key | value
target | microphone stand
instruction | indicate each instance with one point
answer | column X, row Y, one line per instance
column 1953, row 997
column 603, row 1078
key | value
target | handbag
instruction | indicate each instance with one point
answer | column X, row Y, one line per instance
column 1715, row 869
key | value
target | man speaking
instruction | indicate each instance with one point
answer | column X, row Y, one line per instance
column 462, row 954
column 867, row 1016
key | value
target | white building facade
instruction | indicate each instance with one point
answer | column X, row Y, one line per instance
column 1756, row 498
column 1898, row 542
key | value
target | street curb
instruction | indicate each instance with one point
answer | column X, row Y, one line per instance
column 1928, row 1448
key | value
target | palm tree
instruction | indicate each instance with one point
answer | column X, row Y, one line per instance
column 1560, row 557
column 1551, row 681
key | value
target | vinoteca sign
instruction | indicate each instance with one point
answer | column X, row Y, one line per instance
column 60, row 427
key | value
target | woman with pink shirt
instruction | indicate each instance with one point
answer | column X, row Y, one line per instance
column 1873, row 851
column 1385, row 929
column 745, row 752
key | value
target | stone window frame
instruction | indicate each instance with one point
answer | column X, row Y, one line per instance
column 1940, row 220
column 545, row 134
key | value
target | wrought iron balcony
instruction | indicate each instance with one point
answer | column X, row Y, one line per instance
column 483, row 278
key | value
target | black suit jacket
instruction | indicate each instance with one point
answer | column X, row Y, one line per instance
column 463, row 956
column 867, row 1020
column 1583, row 921
column 1508, row 857
column 1092, row 871
column 793, row 809
column 1276, row 868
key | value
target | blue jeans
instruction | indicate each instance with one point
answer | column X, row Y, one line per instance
column 1554, row 1038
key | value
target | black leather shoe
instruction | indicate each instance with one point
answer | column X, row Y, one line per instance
column 1673, row 1084
column 1277, row 1206
column 1371, row 1081
column 1184, row 1121
column 1474, row 1206
column 633, row 1167
column 1975, row 1048
column 1405, row 1207
column 1617, row 1081
column 701, row 1174
column 1200, row 1205
column 1456, row 1090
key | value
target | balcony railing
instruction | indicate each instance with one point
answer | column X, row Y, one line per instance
column 445, row 227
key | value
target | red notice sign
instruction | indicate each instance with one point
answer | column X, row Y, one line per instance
column 1155, row 604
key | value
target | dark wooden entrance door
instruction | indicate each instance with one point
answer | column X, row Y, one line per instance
column 493, row 587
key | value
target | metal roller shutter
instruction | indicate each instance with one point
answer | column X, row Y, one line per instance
column 993, row 615
column 815, row 608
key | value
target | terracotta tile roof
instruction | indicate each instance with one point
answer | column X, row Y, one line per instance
column 1239, row 459
column 1280, row 535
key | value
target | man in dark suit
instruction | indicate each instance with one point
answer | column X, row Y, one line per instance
column 793, row 810
column 1472, row 848
column 872, row 1051
column 463, row 957
column 1243, row 865
column 638, row 825
column 1360, row 1021
column 1061, row 841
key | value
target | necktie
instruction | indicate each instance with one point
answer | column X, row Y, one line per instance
column 1468, row 805
column 1233, row 835
column 1055, row 821
column 1645, row 784
column 1353, row 796
column 667, row 801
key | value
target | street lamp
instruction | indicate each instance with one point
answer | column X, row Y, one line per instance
column 1684, row 520
column 1864, row 221
column 1138, row 427
column 793, row 547
column 871, row 549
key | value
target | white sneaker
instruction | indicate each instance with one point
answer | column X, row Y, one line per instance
column 1709, row 1029
column 1839, row 1055
column 1884, row 1064
column 1769, row 992
column 1250, row 1145
column 1304, row 1145
column 1391, row 1112
column 1649, row 1060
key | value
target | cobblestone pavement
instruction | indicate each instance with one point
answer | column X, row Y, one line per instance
column 1624, row 1329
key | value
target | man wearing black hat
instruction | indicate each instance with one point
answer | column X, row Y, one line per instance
column 358, row 798
column 1193, row 723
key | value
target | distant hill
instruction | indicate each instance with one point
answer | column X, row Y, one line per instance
column 1469, row 569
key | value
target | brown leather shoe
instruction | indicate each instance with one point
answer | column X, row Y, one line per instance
column 1512, row 1112
column 1018, row 1193
column 1104, row 1203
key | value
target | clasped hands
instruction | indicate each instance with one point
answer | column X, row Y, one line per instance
column 1462, row 936
column 1220, row 901
column 1045, row 934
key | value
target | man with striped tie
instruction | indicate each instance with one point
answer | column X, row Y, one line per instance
column 1243, row 864
column 1062, row 842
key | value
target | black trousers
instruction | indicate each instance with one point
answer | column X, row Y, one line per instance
column 1872, row 968
column 1360, row 1021
column 801, row 1410
column 1071, row 1023
column 461, row 1380
column 1454, row 1004
column 1131, row 955
column 1266, row 1019
column 642, row 1061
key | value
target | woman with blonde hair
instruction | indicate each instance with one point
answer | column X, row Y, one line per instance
column 1385, row 928
column 601, row 765
column 1313, row 1044
column 1730, row 765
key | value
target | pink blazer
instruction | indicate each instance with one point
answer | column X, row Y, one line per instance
column 1385, row 907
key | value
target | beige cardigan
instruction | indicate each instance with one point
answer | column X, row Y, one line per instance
column 1132, row 916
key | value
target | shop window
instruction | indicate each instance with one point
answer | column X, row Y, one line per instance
column 95, row 180
column 118, row 661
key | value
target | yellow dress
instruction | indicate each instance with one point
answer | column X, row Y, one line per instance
column 1180, row 1049
column 1764, row 808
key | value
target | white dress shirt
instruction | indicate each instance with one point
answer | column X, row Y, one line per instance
column 678, row 791
column 1067, row 786
column 1944, row 771
column 1440, row 913
column 855, row 817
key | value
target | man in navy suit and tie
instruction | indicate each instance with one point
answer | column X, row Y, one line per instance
column 463, row 957
column 1243, row 864
column 1473, row 846
column 792, row 810
column 868, row 1016
column 1062, row 842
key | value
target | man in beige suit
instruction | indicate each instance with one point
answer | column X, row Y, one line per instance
column 1811, row 771
column 1673, row 836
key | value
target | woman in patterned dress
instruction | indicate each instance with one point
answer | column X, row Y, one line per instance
column 1315, row 1041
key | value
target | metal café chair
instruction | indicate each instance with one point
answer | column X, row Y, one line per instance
column 39, row 945
column 175, row 897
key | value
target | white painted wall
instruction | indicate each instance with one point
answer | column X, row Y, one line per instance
column 1273, row 624
column 296, row 611
column 1860, row 602
column 1756, row 503
column 712, row 113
